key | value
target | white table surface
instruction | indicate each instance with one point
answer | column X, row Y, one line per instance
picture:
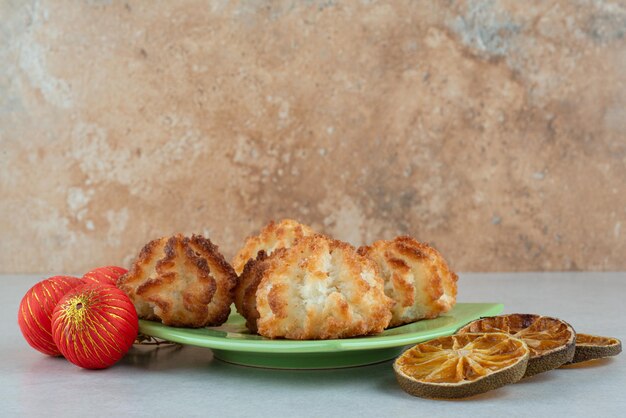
column 185, row 382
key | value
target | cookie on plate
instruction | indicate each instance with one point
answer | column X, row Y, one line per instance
column 319, row 288
column 181, row 281
column 272, row 237
column 416, row 277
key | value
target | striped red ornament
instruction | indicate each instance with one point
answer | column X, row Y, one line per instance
column 35, row 312
column 94, row 325
column 104, row 275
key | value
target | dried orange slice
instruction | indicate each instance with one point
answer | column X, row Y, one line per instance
column 551, row 341
column 458, row 366
column 592, row 347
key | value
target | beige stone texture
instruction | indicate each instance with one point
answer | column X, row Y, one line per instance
column 495, row 130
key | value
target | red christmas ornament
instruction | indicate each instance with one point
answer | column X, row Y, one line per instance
column 35, row 313
column 94, row 325
column 104, row 275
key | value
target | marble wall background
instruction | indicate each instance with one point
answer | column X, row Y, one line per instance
column 494, row 129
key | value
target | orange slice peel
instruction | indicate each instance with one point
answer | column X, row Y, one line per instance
column 593, row 347
column 459, row 366
column 551, row 341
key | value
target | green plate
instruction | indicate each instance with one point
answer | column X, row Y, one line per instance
column 233, row 343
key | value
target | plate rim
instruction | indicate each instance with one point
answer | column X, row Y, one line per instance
column 180, row 335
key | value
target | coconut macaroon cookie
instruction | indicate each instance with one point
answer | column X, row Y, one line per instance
column 272, row 237
column 319, row 288
column 416, row 277
column 181, row 281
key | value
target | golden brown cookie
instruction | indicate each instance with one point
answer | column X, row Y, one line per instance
column 319, row 288
column 183, row 282
column 273, row 236
column 416, row 277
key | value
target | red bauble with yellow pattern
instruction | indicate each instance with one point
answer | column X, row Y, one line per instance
column 94, row 325
column 104, row 275
column 35, row 312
